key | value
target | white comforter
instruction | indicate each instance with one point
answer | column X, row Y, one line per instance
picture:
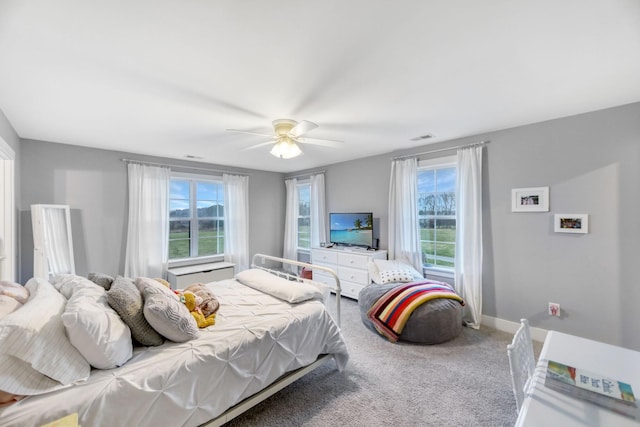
column 255, row 340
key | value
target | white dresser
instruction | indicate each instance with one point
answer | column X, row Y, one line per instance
column 350, row 265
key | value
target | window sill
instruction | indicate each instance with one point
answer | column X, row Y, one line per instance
column 442, row 272
column 182, row 262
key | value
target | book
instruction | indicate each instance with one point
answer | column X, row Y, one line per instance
column 606, row 392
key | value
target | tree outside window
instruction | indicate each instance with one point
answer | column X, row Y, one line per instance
column 437, row 215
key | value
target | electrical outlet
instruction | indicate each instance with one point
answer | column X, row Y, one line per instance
column 554, row 309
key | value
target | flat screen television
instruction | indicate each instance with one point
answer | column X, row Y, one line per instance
column 351, row 229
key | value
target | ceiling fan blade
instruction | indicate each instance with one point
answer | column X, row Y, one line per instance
column 301, row 128
column 257, row 146
column 250, row 132
column 323, row 142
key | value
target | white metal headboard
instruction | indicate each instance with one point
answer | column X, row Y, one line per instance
column 262, row 258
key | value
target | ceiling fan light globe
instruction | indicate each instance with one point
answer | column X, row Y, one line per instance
column 286, row 150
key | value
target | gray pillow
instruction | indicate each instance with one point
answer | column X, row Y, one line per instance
column 166, row 313
column 101, row 279
column 126, row 300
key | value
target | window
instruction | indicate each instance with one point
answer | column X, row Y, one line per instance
column 304, row 215
column 196, row 217
column 437, row 212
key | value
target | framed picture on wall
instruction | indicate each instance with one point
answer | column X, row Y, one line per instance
column 571, row 223
column 535, row 199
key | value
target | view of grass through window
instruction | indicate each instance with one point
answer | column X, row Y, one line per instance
column 304, row 216
column 196, row 218
column 437, row 216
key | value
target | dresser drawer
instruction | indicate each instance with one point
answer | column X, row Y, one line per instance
column 350, row 289
column 319, row 256
column 353, row 260
column 353, row 275
column 325, row 278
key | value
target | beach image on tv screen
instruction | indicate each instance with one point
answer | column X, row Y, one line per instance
column 352, row 229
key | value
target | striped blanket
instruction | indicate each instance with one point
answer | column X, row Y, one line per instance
column 391, row 311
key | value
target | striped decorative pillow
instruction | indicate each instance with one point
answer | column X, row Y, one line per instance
column 35, row 354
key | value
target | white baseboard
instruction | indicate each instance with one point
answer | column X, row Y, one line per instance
column 537, row 334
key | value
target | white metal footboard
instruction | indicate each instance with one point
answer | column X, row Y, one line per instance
column 258, row 261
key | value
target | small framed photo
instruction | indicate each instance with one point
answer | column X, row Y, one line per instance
column 534, row 199
column 571, row 223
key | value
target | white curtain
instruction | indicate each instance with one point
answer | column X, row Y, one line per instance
column 236, row 220
column 291, row 223
column 468, row 270
column 147, row 250
column 318, row 211
column 404, row 229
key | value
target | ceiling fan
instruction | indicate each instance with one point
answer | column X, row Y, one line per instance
column 286, row 135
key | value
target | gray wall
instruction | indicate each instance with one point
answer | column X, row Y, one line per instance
column 94, row 183
column 591, row 164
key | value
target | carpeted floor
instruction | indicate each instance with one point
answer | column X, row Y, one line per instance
column 464, row 382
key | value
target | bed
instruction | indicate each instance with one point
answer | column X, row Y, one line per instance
column 258, row 345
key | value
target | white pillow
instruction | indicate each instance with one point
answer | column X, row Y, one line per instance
column 35, row 354
column 278, row 287
column 14, row 290
column 94, row 328
column 8, row 305
column 393, row 271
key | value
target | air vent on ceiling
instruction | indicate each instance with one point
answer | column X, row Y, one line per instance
column 419, row 138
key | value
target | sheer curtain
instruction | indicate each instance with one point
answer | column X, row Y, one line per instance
column 236, row 220
column 404, row 229
column 468, row 269
column 318, row 211
column 291, row 223
column 147, row 250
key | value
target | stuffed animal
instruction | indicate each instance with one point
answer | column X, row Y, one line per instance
column 202, row 304
column 209, row 304
column 192, row 301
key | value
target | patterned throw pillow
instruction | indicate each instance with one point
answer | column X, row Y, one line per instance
column 165, row 312
column 396, row 275
column 390, row 271
column 126, row 300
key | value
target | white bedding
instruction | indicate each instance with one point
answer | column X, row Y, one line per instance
column 255, row 340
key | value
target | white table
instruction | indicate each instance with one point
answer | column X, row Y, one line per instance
column 549, row 408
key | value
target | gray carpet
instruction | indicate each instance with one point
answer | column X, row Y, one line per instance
column 464, row 382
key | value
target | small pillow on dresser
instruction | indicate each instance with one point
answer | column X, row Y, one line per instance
column 125, row 298
column 165, row 312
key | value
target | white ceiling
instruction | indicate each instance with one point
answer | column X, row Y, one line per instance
column 168, row 77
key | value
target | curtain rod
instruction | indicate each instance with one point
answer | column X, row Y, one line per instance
column 305, row 174
column 475, row 144
column 142, row 162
